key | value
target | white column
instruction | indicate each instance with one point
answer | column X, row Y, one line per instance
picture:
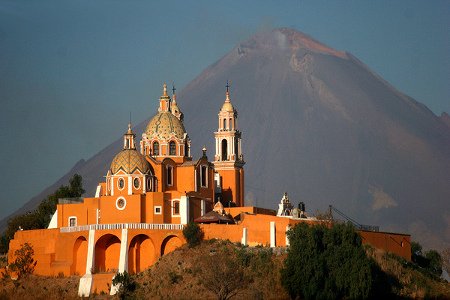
column 202, row 207
column 144, row 184
column 273, row 240
column 244, row 237
column 112, row 186
column 84, row 288
column 130, row 185
column 123, row 258
column 91, row 252
column 184, row 210
column 287, row 238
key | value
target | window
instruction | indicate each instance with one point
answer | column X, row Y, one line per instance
column 157, row 210
column 172, row 148
column 136, row 183
column 155, row 148
column 169, row 175
column 72, row 221
column 224, row 150
column 121, row 203
column 149, row 183
column 204, row 176
column 224, row 124
column 176, row 208
column 121, row 183
column 230, row 125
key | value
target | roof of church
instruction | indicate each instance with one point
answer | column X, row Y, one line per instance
column 164, row 125
column 129, row 160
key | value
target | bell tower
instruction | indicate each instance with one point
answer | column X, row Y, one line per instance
column 228, row 160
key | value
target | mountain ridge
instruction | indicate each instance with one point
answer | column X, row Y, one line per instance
column 319, row 124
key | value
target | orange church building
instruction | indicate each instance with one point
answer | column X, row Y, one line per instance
column 138, row 213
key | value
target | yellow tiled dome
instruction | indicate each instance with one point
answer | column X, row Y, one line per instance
column 164, row 125
column 129, row 160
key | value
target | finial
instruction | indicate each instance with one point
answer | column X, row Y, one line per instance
column 228, row 92
column 164, row 89
column 204, row 151
column 129, row 124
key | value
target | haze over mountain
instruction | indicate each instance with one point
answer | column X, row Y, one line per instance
column 318, row 124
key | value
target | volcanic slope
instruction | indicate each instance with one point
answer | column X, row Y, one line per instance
column 322, row 126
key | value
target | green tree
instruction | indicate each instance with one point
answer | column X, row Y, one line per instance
column 126, row 285
column 327, row 263
column 193, row 234
column 24, row 262
column 40, row 218
column 434, row 262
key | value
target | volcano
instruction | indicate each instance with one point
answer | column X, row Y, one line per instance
column 319, row 124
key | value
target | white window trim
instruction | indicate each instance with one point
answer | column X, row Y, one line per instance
column 118, row 186
column 160, row 210
column 72, row 217
column 172, row 209
column 117, row 203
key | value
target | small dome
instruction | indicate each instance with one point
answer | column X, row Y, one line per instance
column 164, row 125
column 129, row 160
column 227, row 106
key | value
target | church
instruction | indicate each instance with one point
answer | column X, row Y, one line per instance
column 150, row 194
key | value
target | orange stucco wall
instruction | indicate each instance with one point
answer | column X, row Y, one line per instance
column 397, row 243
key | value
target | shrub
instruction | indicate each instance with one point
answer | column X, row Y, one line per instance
column 24, row 262
column 126, row 285
column 327, row 262
column 193, row 234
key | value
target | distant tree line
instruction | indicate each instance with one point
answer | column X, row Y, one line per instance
column 40, row 218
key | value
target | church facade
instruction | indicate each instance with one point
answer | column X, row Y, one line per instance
column 150, row 193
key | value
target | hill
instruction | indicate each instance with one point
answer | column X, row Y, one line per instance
column 179, row 275
column 322, row 126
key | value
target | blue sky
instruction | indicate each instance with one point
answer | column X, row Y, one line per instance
column 71, row 71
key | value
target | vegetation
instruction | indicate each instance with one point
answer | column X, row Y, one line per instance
column 24, row 263
column 126, row 285
column 193, row 234
column 446, row 260
column 222, row 274
column 327, row 263
column 430, row 260
column 40, row 218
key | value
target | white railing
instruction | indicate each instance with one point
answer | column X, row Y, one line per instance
column 122, row 226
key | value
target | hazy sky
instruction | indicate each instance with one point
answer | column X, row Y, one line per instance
column 72, row 71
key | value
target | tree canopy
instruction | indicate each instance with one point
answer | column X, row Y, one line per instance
column 327, row 263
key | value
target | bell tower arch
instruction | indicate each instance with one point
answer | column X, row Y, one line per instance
column 228, row 159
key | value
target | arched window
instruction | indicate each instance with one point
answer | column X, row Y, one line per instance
column 169, row 175
column 175, row 208
column 230, row 124
column 172, row 148
column 155, row 148
column 224, row 124
column 204, row 176
column 224, row 150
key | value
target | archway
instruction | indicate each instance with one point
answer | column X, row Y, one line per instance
column 79, row 256
column 141, row 254
column 224, row 150
column 107, row 253
column 170, row 243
